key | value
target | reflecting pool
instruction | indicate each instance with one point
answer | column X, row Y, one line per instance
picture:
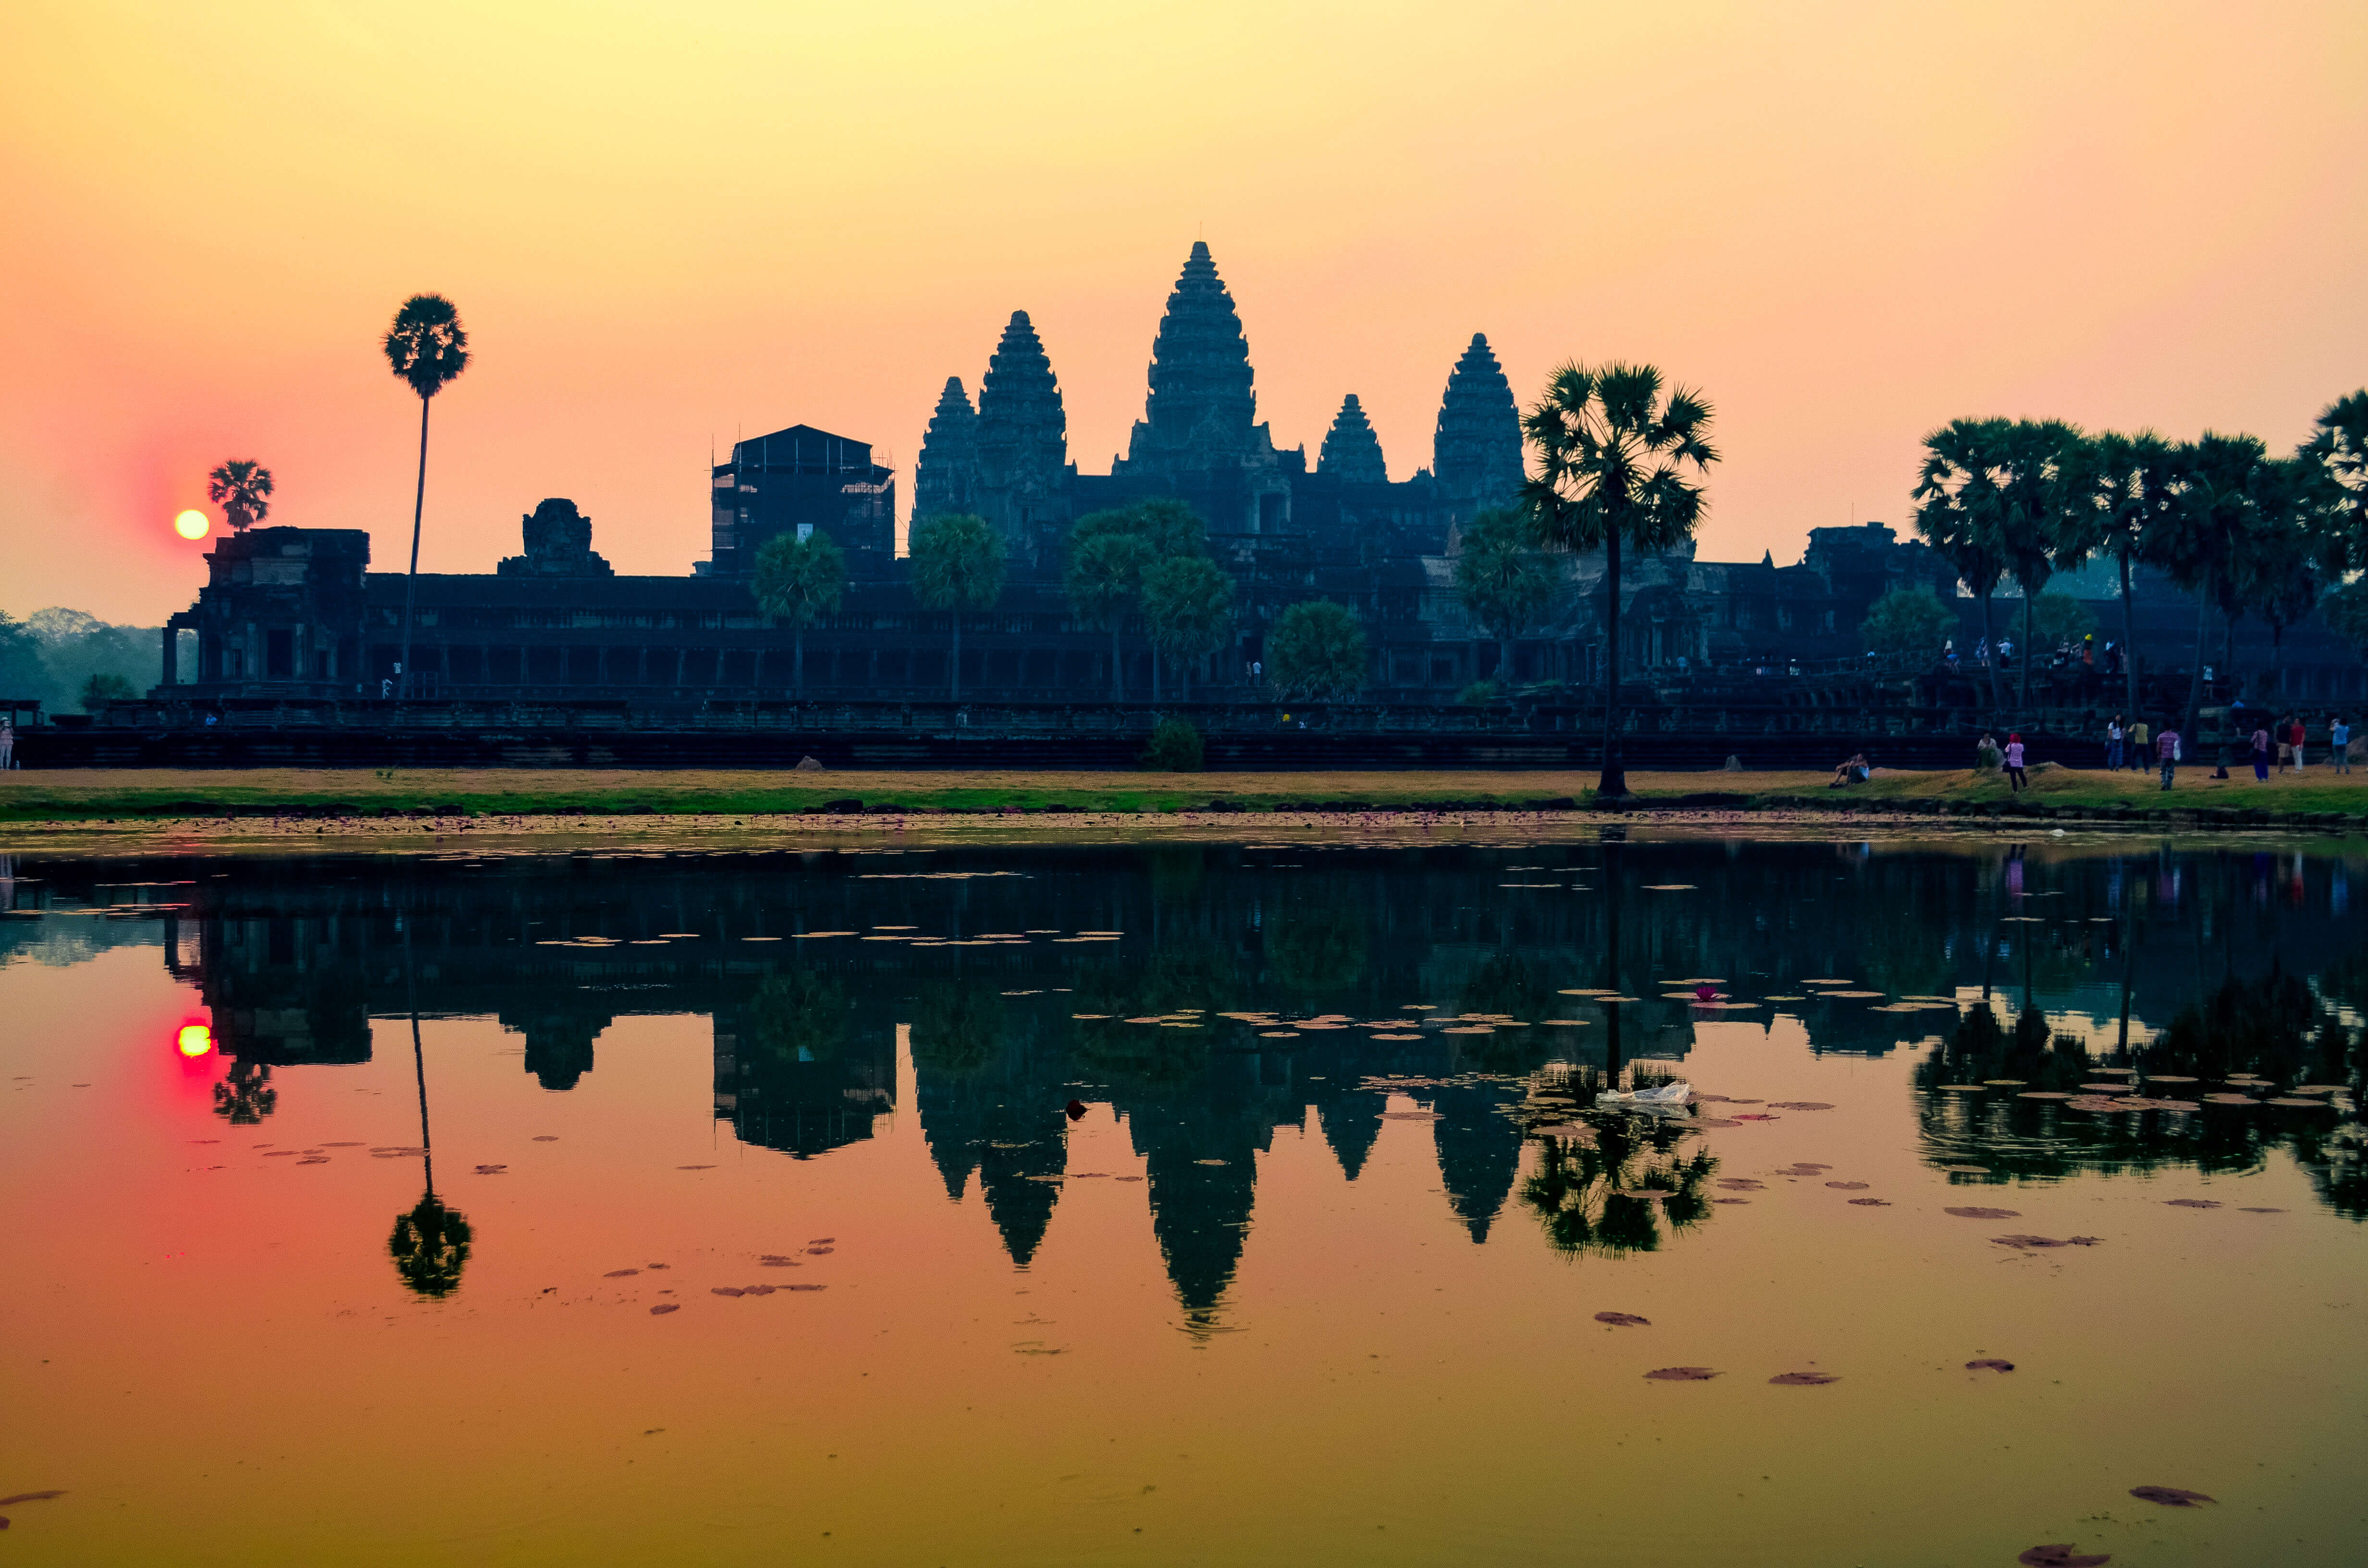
column 1186, row 1203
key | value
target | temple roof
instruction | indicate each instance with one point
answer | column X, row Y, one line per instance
column 946, row 475
column 1351, row 450
column 1023, row 431
column 1201, row 375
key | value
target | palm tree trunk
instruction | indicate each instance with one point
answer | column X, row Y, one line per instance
column 2195, row 685
column 954, row 668
column 2129, row 654
column 1505, row 664
column 2024, row 701
column 1118, row 669
column 1990, row 645
column 798, row 658
column 1614, row 784
column 411, row 580
column 1155, row 672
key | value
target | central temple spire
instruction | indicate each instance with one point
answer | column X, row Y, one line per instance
column 1200, row 400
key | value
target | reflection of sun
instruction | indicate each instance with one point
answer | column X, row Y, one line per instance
column 193, row 525
column 196, row 1040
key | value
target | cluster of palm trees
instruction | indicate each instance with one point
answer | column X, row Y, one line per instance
column 2248, row 532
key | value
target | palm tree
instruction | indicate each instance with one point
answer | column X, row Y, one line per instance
column 2114, row 491
column 1104, row 582
column 1504, row 584
column 2027, row 456
column 800, row 581
column 1955, row 496
column 1189, row 605
column 2202, row 540
column 2336, row 462
column 242, row 488
column 957, row 562
column 426, row 347
column 1610, row 454
column 1317, row 650
column 2284, row 572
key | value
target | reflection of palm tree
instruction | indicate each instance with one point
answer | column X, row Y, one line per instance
column 957, row 1029
column 245, row 1095
column 800, row 1015
column 1584, row 1190
column 430, row 1245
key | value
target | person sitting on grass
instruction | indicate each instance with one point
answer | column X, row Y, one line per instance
column 1987, row 756
column 1854, row 771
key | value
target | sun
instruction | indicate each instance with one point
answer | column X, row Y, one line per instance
column 193, row 525
column 195, row 1039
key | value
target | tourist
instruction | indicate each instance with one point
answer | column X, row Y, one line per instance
column 2261, row 757
column 1854, row 771
column 2338, row 743
column 1982, row 652
column 2165, row 747
column 2016, row 780
column 2114, row 735
column 2089, row 650
column 2295, row 734
column 2139, row 755
column 1948, row 655
column 7, row 743
column 1987, row 757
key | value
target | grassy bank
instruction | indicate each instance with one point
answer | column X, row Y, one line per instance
column 134, row 795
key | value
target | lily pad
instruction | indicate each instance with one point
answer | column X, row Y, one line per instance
column 2190, row 1203
column 1623, row 1320
column 1989, row 1364
column 1871, row 1202
column 1850, row 1185
column 664, row 1307
column 1804, row 1380
column 1974, row 1213
column 2170, row 1496
column 2061, row 1554
column 1680, row 1375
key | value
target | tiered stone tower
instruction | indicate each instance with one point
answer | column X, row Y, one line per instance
column 945, row 480
column 1201, row 409
column 1022, row 438
column 1476, row 454
column 1351, row 451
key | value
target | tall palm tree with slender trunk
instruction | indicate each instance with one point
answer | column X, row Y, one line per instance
column 2203, row 540
column 2026, row 458
column 426, row 347
column 800, row 581
column 2114, row 492
column 1189, row 605
column 957, row 562
column 1955, row 492
column 1612, row 456
column 1104, row 583
column 242, row 488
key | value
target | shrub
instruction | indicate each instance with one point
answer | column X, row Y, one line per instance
column 1175, row 748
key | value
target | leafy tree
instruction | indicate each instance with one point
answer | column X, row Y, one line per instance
column 22, row 673
column 242, row 488
column 1612, row 455
column 2114, row 489
column 1104, row 583
column 800, row 581
column 1316, row 650
column 2057, row 618
column 1169, row 527
column 2335, row 465
column 1907, row 620
column 1504, row 583
column 426, row 347
column 1189, row 605
column 101, row 690
column 957, row 563
column 2346, row 611
column 1955, row 494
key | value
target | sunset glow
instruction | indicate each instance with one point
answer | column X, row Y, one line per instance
column 1848, row 224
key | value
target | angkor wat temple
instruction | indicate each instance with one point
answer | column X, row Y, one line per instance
column 294, row 613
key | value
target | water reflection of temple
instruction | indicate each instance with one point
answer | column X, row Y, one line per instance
column 294, row 959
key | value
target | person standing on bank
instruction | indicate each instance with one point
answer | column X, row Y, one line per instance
column 2140, row 753
column 2113, row 737
column 2295, row 735
column 2261, row 757
column 2016, row 780
column 2338, row 743
column 7, row 743
column 2165, row 747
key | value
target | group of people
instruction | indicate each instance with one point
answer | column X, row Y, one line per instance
column 2010, row 759
column 2136, row 747
column 2288, row 739
column 2085, row 653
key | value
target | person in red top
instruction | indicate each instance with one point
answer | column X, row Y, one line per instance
column 2294, row 736
column 2016, row 779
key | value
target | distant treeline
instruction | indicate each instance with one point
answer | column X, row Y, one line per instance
column 70, row 660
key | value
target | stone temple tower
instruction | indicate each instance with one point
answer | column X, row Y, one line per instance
column 1476, row 454
column 1022, row 441
column 945, row 480
column 1351, row 451
column 1202, row 411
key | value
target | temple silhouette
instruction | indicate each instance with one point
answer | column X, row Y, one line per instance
column 291, row 614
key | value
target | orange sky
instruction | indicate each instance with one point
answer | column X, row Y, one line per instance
column 1845, row 222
